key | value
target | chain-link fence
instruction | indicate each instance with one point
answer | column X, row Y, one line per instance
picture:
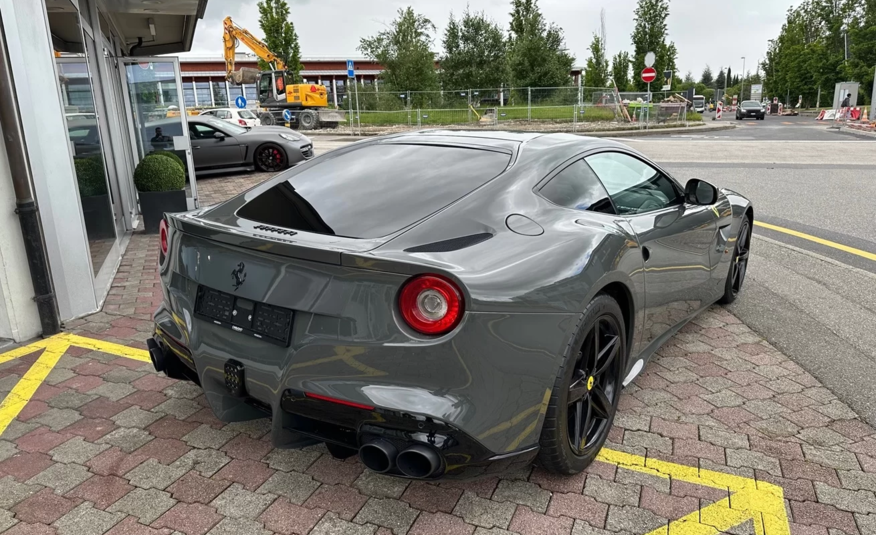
column 381, row 109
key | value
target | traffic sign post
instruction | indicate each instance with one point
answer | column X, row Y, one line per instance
column 240, row 102
column 351, row 75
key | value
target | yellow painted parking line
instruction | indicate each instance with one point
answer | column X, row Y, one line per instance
column 747, row 499
column 845, row 248
column 761, row 502
column 54, row 347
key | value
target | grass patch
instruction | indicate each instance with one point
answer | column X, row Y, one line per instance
column 465, row 116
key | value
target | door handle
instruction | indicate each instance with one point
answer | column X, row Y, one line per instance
column 196, row 147
column 646, row 253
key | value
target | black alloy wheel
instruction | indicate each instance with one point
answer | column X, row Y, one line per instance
column 588, row 387
column 595, row 387
column 739, row 264
column 270, row 158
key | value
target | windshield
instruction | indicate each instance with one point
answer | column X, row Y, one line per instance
column 246, row 114
column 225, row 126
column 699, row 100
column 751, row 104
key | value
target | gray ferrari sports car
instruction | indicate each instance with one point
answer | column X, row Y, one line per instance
column 444, row 304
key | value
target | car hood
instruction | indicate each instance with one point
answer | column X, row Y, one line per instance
column 274, row 130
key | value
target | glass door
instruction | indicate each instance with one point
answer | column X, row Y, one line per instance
column 158, row 113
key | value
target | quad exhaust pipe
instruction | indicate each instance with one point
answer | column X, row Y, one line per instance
column 417, row 461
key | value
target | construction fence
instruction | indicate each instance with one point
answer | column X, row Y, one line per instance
column 376, row 110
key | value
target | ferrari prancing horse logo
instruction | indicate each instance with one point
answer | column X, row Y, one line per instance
column 239, row 275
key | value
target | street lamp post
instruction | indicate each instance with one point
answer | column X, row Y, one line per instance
column 845, row 30
column 742, row 87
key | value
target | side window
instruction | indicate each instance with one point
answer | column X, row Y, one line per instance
column 577, row 187
column 224, row 114
column 634, row 186
column 200, row 131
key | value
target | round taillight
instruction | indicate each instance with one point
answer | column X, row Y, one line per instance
column 162, row 236
column 431, row 304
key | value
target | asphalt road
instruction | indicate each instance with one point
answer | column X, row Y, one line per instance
column 813, row 301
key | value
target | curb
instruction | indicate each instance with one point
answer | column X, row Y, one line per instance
column 658, row 131
column 847, row 130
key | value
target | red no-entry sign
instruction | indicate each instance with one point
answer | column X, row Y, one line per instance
column 649, row 75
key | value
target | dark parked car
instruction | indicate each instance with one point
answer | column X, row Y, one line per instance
column 221, row 146
column 444, row 304
column 750, row 108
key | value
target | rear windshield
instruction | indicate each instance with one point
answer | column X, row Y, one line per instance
column 376, row 190
column 246, row 114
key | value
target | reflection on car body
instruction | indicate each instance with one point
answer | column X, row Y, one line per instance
column 219, row 146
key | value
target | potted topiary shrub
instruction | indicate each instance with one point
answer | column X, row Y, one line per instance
column 96, row 208
column 160, row 182
column 170, row 155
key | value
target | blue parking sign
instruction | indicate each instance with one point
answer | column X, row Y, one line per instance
column 351, row 71
column 240, row 102
column 287, row 114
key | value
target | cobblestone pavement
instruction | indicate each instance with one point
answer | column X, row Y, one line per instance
column 215, row 189
column 105, row 445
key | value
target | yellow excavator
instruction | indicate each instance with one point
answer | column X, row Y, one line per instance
column 307, row 103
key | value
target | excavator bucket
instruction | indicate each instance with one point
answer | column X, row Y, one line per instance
column 246, row 75
column 331, row 116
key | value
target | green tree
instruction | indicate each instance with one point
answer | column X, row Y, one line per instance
column 405, row 52
column 474, row 53
column 689, row 79
column 620, row 70
column 280, row 37
column 862, row 49
column 706, row 78
column 537, row 55
column 596, row 72
column 720, row 81
column 649, row 35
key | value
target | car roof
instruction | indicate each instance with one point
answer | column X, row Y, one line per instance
column 499, row 139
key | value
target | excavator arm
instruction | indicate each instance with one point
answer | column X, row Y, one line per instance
column 233, row 35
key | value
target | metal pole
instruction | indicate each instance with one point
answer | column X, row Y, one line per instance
column 818, row 99
column 528, row 103
column 469, row 105
column 358, row 111
column 742, row 90
column 648, row 106
column 25, row 205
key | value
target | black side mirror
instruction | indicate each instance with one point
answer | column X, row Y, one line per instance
column 219, row 135
column 700, row 192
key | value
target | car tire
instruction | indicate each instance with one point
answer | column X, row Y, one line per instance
column 308, row 120
column 738, row 264
column 270, row 158
column 267, row 119
column 599, row 381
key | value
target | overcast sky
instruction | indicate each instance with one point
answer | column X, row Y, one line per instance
column 334, row 27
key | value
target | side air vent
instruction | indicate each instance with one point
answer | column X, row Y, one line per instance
column 453, row 244
column 275, row 230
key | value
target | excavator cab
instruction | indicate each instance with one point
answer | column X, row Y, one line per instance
column 272, row 89
column 275, row 91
